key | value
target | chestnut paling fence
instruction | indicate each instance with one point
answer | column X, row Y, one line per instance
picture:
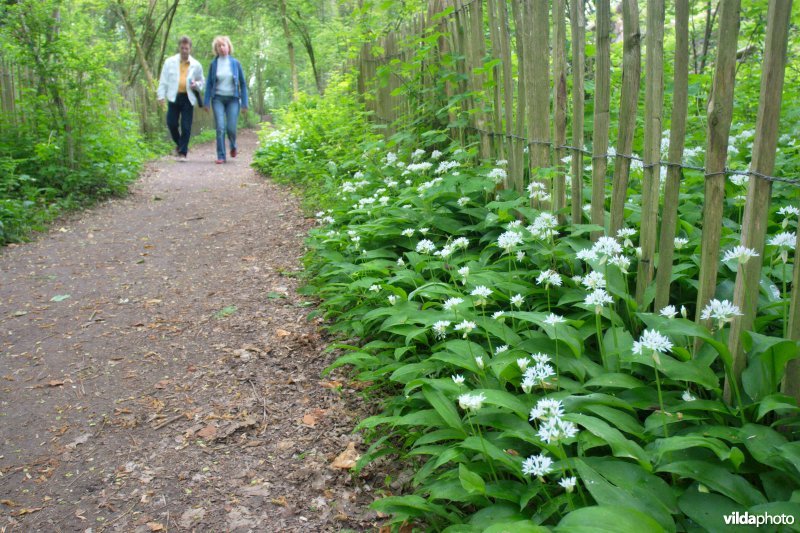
column 498, row 69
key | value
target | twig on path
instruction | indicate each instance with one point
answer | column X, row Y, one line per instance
column 120, row 517
column 261, row 398
column 168, row 422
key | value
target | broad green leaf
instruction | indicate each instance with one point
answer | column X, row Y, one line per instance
column 671, row 444
column 444, row 406
column 707, row 509
column 608, row 519
column 493, row 514
column 521, row 526
column 624, row 494
column 620, row 446
column 717, row 479
column 507, row 400
column 484, row 446
column 471, row 481
column 614, row 381
column 410, row 505
column 776, row 402
column 766, row 362
column 632, row 477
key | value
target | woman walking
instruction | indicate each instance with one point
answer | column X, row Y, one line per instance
column 226, row 90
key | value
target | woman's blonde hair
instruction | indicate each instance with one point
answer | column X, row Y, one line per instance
column 218, row 40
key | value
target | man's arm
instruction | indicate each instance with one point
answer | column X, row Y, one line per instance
column 162, row 82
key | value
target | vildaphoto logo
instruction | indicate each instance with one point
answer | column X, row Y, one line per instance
column 762, row 519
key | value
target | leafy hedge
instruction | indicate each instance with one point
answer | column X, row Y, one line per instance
column 516, row 375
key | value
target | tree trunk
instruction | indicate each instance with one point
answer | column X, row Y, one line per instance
column 290, row 49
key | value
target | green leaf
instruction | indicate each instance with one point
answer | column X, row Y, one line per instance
column 521, row 526
column 776, row 402
column 620, row 446
column 472, row 482
column 499, row 512
column 60, row 297
column 410, row 505
column 614, row 381
column 607, row 519
column 707, row 509
column 766, row 363
column 718, row 479
column 624, row 494
column 444, row 406
column 671, row 444
column 226, row 311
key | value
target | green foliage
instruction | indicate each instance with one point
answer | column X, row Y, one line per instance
column 445, row 287
column 68, row 142
column 316, row 132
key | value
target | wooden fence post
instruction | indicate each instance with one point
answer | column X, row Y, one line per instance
column 602, row 99
column 559, row 107
column 677, row 134
column 791, row 380
column 720, row 114
column 654, row 105
column 522, row 78
column 629, row 107
column 539, row 87
column 578, row 28
column 756, row 211
column 514, row 161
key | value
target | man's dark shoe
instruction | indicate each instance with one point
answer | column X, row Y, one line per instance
column 233, row 152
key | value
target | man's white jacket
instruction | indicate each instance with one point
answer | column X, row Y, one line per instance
column 170, row 76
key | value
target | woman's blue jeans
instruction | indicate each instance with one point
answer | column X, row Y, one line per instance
column 226, row 114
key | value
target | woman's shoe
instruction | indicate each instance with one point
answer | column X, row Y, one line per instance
column 219, row 161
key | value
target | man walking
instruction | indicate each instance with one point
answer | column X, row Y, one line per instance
column 180, row 83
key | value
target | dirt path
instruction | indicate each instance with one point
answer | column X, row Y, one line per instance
column 158, row 370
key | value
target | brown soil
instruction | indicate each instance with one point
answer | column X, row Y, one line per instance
column 159, row 372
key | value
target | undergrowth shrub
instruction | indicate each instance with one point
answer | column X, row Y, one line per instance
column 317, row 141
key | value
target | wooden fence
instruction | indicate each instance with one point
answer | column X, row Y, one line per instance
column 511, row 66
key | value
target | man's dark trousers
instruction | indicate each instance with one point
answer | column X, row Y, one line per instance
column 180, row 110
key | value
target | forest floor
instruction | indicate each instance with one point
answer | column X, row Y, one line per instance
column 159, row 371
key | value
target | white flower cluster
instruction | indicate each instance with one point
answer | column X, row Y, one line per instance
column 722, row 311
column 498, row 175
column 418, row 167
column 536, row 375
column 552, row 427
column 739, row 253
column 549, row 277
column 444, row 166
column 538, row 191
column 471, row 402
column 544, row 226
column 508, row 240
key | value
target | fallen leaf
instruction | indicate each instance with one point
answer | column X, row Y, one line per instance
column 59, row 297
column 79, row 514
column 226, row 311
column 280, row 501
column 55, row 383
column 9, row 503
column 310, row 419
column 162, row 384
column 282, row 333
column 330, row 384
column 191, row 516
column 208, row 432
column 25, row 511
column 20, row 313
column 155, row 526
column 347, row 459
column 80, row 440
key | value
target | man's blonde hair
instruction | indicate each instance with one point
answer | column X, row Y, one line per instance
column 218, row 40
